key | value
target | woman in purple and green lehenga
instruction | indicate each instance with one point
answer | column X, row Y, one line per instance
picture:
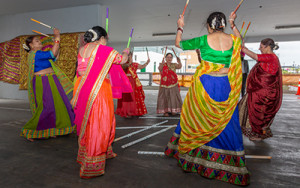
column 208, row 138
column 47, row 87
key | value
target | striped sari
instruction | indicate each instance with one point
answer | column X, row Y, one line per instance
column 208, row 138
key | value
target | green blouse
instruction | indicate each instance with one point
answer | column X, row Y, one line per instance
column 207, row 53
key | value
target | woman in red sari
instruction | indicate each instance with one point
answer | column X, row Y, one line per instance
column 93, row 102
column 264, row 92
column 169, row 99
column 132, row 104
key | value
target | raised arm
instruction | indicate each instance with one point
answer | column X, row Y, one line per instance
column 144, row 65
column 55, row 48
column 235, row 30
column 178, row 65
column 250, row 53
column 180, row 24
column 161, row 65
column 125, row 54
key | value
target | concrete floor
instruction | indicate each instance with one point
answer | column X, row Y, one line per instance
column 52, row 162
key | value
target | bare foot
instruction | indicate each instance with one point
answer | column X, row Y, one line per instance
column 111, row 155
column 255, row 139
column 166, row 115
column 30, row 139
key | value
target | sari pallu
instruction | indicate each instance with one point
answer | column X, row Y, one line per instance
column 132, row 104
column 208, row 138
column 50, row 107
column 94, row 109
column 261, row 103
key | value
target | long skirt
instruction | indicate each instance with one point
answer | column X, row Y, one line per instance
column 99, row 133
column 169, row 100
column 222, row 158
column 132, row 104
column 76, row 84
column 247, row 129
column 54, row 114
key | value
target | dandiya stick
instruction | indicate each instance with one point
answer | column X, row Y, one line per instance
column 165, row 53
column 42, row 23
column 257, row 157
column 41, row 33
column 150, row 153
column 174, row 52
column 238, row 6
column 247, row 29
column 129, row 40
column 242, row 28
column 186, row 4
column 107, row 20
column 147, row 52
column 133, row 133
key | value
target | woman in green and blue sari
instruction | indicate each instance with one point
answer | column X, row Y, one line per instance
column 47, row 88
column 208, row 138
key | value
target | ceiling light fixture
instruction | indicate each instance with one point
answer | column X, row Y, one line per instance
column 287, row 26
column 162, row 34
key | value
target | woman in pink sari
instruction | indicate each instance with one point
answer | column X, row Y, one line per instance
column 259, row 106
column 93, row 104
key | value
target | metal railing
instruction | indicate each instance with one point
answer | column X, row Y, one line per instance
column 148, row 77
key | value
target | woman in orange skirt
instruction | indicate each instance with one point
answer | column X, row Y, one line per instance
column 93, row 104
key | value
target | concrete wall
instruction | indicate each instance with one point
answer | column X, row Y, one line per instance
column 74, row 19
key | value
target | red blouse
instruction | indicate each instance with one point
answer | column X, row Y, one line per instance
column 268, row 62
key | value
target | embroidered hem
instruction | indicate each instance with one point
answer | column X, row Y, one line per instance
column 224, row 165
column 92, row 166
column 169, row 110
column 46, row 133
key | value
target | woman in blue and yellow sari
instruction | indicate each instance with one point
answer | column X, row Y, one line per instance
column 47, row 88
column 208, row 138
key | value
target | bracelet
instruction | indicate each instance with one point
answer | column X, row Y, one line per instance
column 232, row 27
column 57, row 41
column 126, row 51
column 180, row 29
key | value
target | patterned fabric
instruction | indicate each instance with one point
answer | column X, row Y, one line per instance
column 132, row 104
column 66, row 61
column 94, row 109
column 269, row 62
column 223, row 157
column 202, row 118
column 66, row 83
column 53, row 114
column 224, row 165
column 168, row 76
column 263, row 99
column 10, row 61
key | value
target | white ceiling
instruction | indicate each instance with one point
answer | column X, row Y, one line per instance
column 160, row 16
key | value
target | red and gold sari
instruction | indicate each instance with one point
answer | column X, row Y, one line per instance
column 94, row 109
column 263, row 99
column 169, row 99
column 132, row 104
